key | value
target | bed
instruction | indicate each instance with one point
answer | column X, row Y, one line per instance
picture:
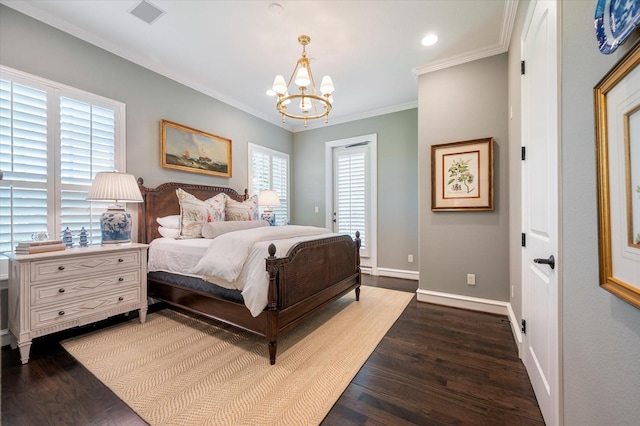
column 309, row 276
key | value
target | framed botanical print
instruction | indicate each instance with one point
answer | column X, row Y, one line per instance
column 462, row 175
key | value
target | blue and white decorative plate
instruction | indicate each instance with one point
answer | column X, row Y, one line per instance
column 614, row 21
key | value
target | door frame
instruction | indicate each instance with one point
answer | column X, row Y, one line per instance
column 370, row 264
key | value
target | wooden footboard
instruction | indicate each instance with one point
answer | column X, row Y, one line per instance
column 312, row 275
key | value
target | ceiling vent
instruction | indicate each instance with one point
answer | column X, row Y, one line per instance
column 146, row 11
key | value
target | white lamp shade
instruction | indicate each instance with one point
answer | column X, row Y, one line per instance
column 269, row 198
column 279, row 85
column 327, row 85
column 302, row 78
column 114, row 186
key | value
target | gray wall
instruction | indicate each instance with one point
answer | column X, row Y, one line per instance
column 601, row 333
column 465, row 102
column 397, row 181
column 35, row 48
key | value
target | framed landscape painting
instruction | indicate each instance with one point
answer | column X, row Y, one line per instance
column 190, row 150
column 462, row 175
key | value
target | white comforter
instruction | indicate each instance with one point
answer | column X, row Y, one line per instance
column 234, row 260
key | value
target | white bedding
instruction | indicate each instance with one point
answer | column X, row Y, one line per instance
column 234, row 260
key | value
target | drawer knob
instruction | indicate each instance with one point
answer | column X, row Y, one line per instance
column 120, row 260
column 120, row 279
column 61, row 290
column 61, row 268
column 120, row 299
column 61, row 313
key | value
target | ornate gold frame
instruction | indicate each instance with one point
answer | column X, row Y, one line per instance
column 191, row 150
column 618, row 75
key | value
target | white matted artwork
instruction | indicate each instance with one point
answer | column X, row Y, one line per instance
column 462, row 175
column 617, row 105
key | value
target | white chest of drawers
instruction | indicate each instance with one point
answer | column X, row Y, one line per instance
column 53, row 291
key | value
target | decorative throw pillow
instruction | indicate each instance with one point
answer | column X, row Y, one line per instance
column 246, row 210
column 194, row 212
column 171, row 222
column 215, row 229
column 169, row 232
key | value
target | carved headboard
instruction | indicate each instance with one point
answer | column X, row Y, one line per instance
column 163, row 201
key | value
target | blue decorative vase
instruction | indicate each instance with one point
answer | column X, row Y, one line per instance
column 116, row 225
column 269, row 216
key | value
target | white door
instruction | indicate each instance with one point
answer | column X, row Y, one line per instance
column 540, row 207
column 351, row 193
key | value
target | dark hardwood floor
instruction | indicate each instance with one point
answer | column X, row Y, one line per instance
column 435, row 366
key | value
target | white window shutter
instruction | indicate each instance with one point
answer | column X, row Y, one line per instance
column 351, row 194
column 269, row 169
column 53, row 140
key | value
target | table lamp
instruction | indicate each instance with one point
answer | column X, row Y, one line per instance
column 268, row 198
column 120, row 188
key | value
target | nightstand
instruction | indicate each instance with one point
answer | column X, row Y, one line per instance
column 50, row 292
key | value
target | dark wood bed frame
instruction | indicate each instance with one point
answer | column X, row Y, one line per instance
column 312, row 274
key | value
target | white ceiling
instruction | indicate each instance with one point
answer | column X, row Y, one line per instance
column 232, row 50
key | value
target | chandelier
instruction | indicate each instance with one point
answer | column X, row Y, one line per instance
column 310, row 104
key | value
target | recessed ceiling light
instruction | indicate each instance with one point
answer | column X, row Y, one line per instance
column 429, row 40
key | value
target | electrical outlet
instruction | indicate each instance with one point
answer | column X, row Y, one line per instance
column 316, row 210
column 410, row 258
column 471, row 279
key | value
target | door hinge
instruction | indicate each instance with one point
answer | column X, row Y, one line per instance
column 524, row 326
column 523, row 239
column 523, row 153
column 522, row 67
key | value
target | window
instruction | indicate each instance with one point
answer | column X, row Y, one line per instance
column 53, row 140
column 351, row 193
column 269, row 169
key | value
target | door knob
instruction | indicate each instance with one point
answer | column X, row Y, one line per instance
column 551, row 261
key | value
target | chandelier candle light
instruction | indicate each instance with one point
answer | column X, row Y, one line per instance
column 310, row 103
column 119, row 188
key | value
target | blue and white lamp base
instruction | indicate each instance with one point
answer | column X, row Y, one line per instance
column 116, row 225
column 269, row 216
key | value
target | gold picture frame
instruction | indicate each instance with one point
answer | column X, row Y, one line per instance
column 191, row 150
column 462, row 175
column 617, row 109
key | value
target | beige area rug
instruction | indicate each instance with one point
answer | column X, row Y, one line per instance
column 186, row 370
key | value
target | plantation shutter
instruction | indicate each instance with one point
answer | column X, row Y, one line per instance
column 269, row 169
column 53, row 140
column 351, row 193
column 24, row 162
column 87, row 135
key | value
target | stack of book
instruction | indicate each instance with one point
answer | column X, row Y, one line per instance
column 31, row 247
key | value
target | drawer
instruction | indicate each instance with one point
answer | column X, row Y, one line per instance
column 49, row 316
column 75, row 266
column 67, row 290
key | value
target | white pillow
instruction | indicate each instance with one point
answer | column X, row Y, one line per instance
column 171, row 222
column 168, row 232
column 194, row 212
column 246, row 210
column 215, row 229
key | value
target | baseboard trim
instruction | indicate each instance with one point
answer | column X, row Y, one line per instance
column 399, row 273
column 475, row 304
column 515, row 329
column 465, row 302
